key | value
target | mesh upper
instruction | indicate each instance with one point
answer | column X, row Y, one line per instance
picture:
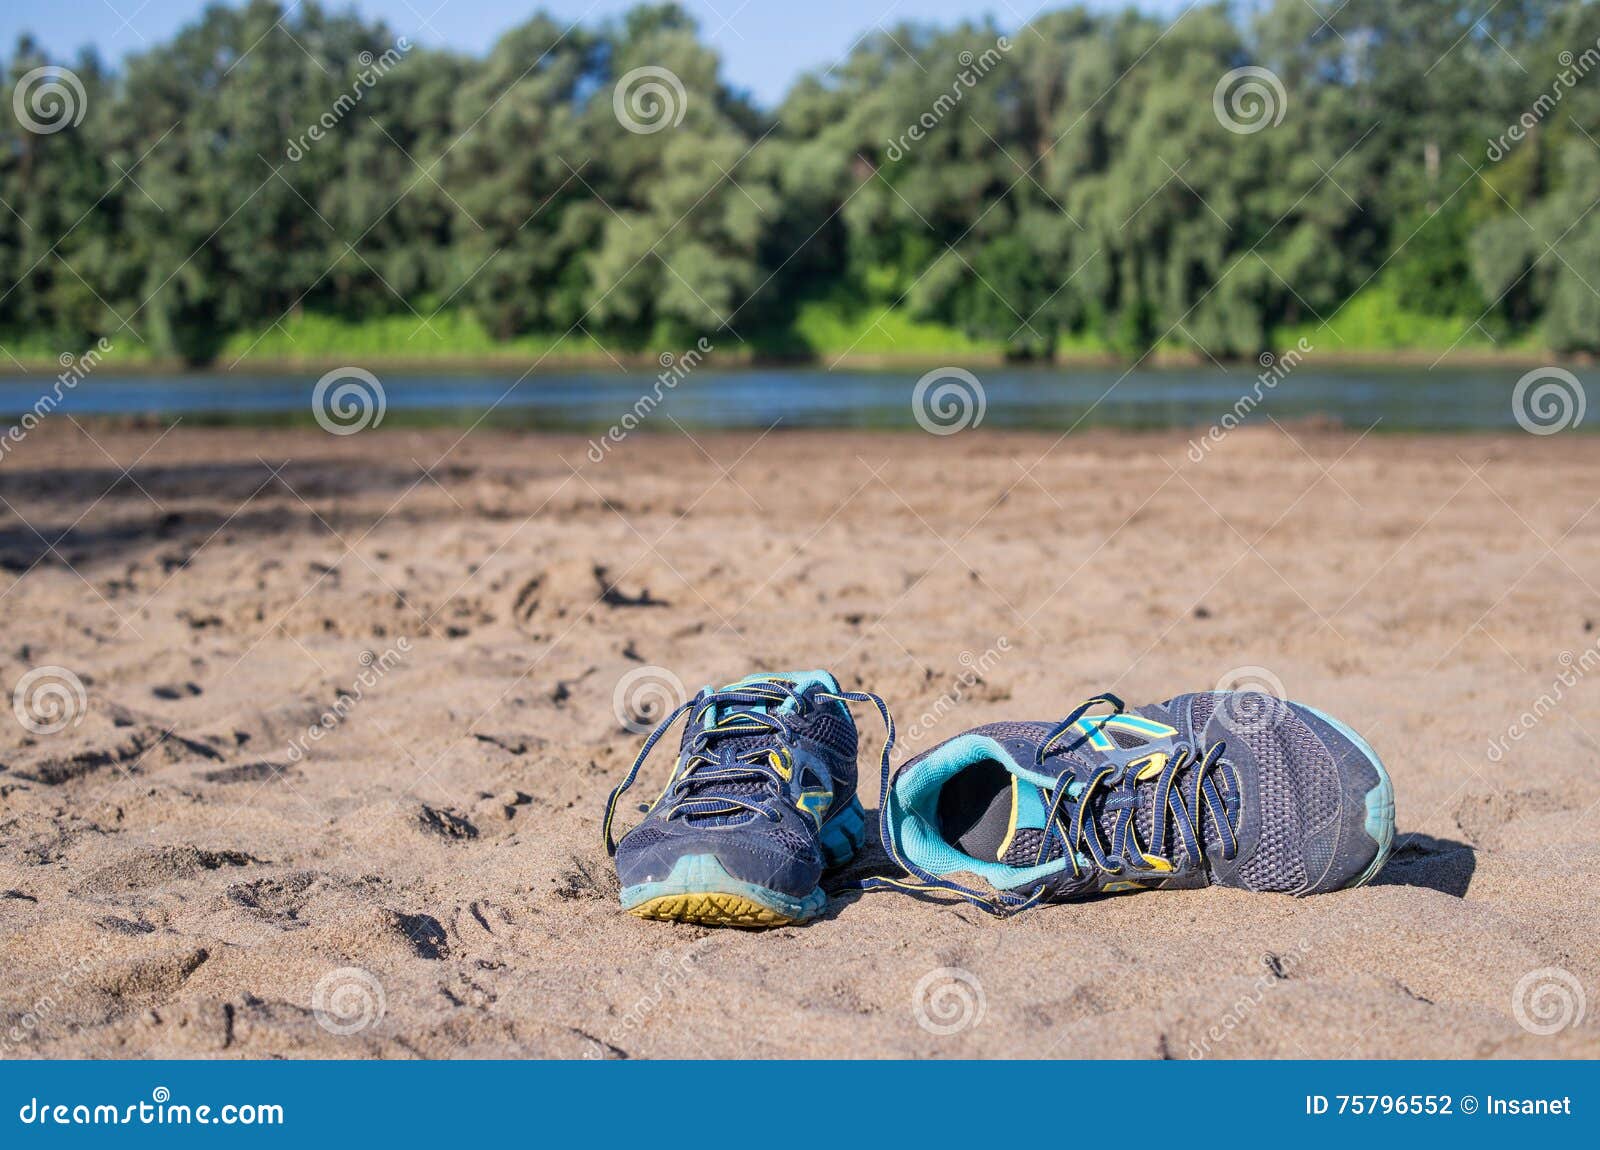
column 1024, row 848
column 791, row 841
column 1014, row 730
column 1299, row 790
column 835, row 733
column 646, row 834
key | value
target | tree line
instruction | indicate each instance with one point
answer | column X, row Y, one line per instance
column 1098, row 178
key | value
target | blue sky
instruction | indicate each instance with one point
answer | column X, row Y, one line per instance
column 765, row 44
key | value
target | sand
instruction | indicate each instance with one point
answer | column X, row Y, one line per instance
column 186, row 871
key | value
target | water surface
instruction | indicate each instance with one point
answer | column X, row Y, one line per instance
column 1396, row 399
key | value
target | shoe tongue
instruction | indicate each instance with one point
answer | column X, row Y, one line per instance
column 1029, row 807
column 990, row 811
column 1034, row 810
column 800, row 681
column 984, row 806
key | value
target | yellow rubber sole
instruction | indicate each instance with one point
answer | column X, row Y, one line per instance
column 711, row 908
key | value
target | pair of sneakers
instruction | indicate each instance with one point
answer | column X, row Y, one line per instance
column 1216, row 788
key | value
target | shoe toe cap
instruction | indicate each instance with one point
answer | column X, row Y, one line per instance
column 1349, row 846
column 649, row 853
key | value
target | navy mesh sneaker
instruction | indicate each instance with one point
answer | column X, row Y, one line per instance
column 1225, row 788
column 761, row 801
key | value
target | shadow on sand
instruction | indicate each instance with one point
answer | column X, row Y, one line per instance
column 1444, row 865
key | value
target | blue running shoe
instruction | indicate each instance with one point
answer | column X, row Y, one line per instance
column 762, row 800
column 1221, row 788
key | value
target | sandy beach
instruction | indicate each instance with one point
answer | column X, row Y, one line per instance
column 339, row 715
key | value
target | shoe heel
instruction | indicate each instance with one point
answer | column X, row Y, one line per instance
column 843, row 834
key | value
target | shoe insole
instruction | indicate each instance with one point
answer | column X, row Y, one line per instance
column 975, row 810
